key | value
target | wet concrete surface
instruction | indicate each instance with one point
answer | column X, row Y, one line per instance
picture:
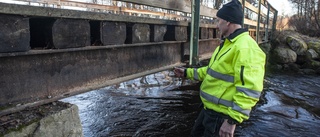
column 161, row 105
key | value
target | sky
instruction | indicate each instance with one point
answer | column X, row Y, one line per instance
column 283, row 6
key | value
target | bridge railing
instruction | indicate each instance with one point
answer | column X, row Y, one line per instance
column 52, row 49
column 260, row 19
column 259, row 15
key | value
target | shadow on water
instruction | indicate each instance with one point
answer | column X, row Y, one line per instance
column 160, row 105
column 154, row 105
column 289, row 107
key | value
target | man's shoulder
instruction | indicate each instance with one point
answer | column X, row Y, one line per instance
column 245, row 38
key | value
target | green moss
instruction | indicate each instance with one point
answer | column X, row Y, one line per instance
column 6, row 107
column 3, row 108
column 289, row 39
column 20, row 128
column 314, row 44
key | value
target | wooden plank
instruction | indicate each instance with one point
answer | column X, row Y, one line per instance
column 252, row 22
column 253, row 8
column 123, row 9
column 182, row 6
column 261, row 30
column 208, row 25
column 101, row 7
column 177, row 5
column 34, row 11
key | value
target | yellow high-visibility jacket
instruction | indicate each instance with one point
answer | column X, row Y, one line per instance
column 233, row 80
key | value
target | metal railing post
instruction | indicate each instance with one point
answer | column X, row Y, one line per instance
column 274, row 24
column 194, row 36
column 243, row 7
column 267, row 29
column 258, row 22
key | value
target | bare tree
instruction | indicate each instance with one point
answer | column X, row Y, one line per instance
column 218, row 3
column 307, row 19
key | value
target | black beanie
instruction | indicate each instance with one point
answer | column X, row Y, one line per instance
column 231, row 12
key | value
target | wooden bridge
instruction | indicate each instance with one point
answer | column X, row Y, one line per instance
column 52, row 49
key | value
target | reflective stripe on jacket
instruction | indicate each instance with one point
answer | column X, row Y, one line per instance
column 233, row 80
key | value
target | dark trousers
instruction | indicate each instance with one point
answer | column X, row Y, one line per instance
column 207, row 124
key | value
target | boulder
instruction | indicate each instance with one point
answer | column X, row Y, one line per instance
column 318, row 71
column 303, row 59
column 297, row 45
column 283, row 55
column 313, row 64
column 307, row 71
column 266, row 47
column 295, row 52
column 292, row 67
column 312, row 54
column 315, row 45
column 63, row 123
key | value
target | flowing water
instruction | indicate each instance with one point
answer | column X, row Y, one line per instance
column 161, row 105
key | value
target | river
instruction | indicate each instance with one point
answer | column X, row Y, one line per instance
column 162, row 105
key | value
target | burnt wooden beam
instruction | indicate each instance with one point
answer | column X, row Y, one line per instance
column 14, row 33
column 204, row 34
column 113, row 33
column 138, row 33
column 176, row 33
column 70, row 33
column 157, row 33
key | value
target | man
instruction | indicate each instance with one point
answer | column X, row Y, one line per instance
column 233, row 80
